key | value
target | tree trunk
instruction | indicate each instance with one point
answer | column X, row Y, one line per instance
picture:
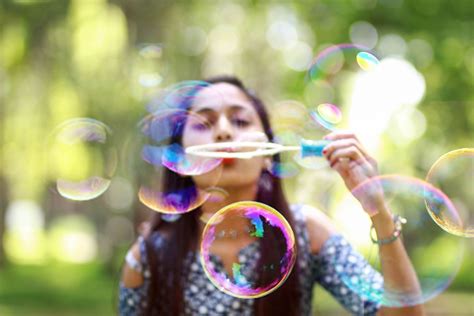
column 3, row 208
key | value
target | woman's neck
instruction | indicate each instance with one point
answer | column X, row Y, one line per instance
column 232, row 195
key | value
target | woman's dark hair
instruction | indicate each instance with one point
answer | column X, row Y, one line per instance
column 167, row 262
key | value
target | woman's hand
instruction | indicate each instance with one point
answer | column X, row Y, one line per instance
column 348, row 157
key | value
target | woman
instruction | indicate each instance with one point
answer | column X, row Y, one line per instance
column 162, row 274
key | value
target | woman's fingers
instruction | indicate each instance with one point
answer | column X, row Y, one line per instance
column 340, row 139
column 343, row 143
column 345, row 155
column 341, row 135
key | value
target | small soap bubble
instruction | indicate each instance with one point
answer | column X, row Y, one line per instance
column 367, row 61
column 327, row 115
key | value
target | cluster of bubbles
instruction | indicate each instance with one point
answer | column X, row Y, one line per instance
column 294, row 122
column 174, row 182
column 330, row 68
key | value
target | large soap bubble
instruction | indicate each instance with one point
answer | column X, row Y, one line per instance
column 82, row 158
column 453, row 173
column 248, row 249
column 435, row 255
column 170, row 180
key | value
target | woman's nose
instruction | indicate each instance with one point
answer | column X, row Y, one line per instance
column 223, row 132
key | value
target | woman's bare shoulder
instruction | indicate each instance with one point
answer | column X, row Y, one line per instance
column 320, row 227
column 131, row 276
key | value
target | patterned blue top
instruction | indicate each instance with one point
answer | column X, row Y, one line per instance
column 334, row 268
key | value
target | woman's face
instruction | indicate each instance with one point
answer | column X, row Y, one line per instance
column 223, row 113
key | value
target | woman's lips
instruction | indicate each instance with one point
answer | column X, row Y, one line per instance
column 228, row 161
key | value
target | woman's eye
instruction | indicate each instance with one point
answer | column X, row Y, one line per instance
column 241, row 122
column 200, row 126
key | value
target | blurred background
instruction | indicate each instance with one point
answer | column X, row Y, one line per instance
column 104, row 60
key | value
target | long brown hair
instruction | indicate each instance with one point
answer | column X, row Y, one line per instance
column 167, row 268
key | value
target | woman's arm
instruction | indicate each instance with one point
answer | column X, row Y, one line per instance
column 347, row 156
column 335, row 264
column 134, row 282
column 132, row 277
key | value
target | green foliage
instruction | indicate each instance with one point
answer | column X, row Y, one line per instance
column 61, row 59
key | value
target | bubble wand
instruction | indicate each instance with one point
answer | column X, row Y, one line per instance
column 308, row 148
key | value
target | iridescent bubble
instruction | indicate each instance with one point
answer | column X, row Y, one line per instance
column 177, row 96
column 435, row 255
column 291, row 126
column 151, row 51
column 172, row 181
column 328, row 115
column 148, row 70
column 367, row 61
column 453, row 173
column 82, row 158
column 287, row 166
column 217, row 194
column 264, row 255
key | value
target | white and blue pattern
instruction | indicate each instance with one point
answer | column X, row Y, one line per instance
column 336, row 261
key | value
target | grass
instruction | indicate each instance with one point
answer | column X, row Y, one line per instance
column 57, row 289
column 79, row 290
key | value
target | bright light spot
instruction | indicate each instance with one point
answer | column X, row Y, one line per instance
column 378, row 95
column 363, row 33
column 150, row 80
column 72, row 239
column 24, row 216
column 298, row 56
column 24, row 237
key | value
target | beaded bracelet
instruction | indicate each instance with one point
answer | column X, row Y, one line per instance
column 133, row 263
column 398, row 221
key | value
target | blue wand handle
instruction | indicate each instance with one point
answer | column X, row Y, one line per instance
column 313, row 148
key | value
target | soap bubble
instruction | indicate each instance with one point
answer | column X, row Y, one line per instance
column 170, row 180
column 335, row 68
column 453, row 173
column 82, row 158
column 264, row 255
column 435, row 255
